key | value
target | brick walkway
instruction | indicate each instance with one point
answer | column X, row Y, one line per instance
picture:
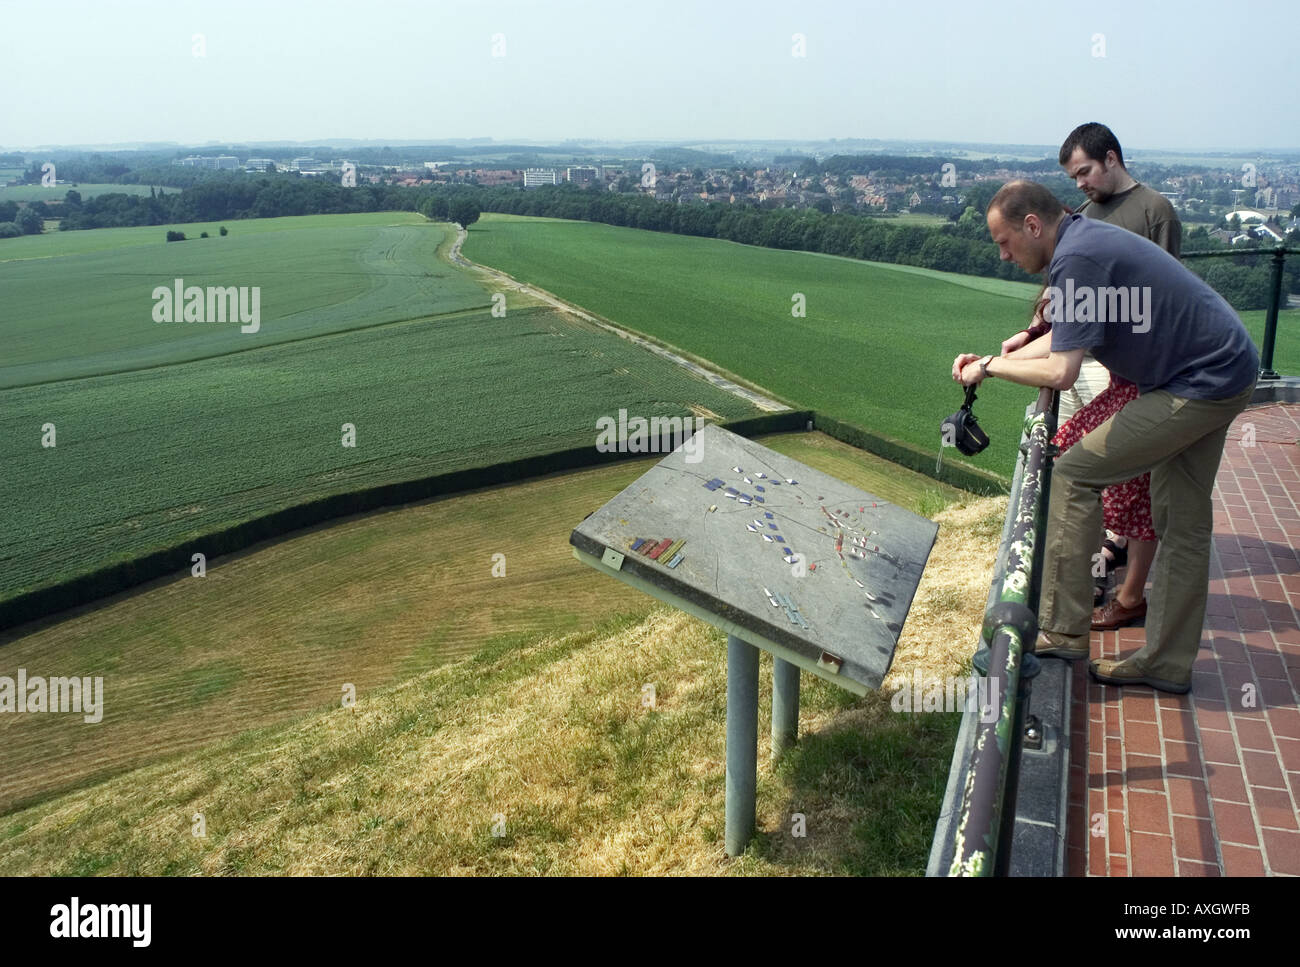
column 1208, row 783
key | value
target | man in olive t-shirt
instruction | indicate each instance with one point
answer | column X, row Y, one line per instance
column 1142, row 210
column 1091, row 155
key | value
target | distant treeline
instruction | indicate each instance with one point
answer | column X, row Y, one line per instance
column 960, row 246
column 220, row 198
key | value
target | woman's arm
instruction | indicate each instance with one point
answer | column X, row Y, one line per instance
column 1038, row 349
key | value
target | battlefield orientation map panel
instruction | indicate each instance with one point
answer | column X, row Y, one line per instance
column 772, row 546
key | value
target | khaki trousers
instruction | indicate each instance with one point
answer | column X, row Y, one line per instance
column 1180, row 441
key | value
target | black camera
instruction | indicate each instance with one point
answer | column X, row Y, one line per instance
column 962, row 430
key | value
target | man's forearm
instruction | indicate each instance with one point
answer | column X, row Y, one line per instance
column 1047, row 371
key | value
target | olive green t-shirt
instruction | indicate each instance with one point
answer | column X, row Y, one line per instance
column 1143, row 211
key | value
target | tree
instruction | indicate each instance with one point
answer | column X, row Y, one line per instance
column 224, row 233
column 72, row 198
column 972, row 225
column 435, row 208
column 463, row 212
column 175, row 236
column 29, row 222
column 980, row 194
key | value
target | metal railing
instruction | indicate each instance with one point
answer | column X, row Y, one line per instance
column 1278, row 258
column 986, row 812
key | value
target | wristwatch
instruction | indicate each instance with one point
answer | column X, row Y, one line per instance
column 984, row 366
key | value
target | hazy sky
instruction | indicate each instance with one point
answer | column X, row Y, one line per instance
column 1196, row 74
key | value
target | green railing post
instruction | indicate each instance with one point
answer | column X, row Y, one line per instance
column 1270, row 321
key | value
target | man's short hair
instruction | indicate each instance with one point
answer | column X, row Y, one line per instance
column 1016, row 199
column 1095, row 140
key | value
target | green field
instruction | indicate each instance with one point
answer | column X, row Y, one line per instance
column 91, row 313
column 875, row 348
column 923, row 219
column 375, row 598
column 373, row 331
column 59, row 192
column 53, row 244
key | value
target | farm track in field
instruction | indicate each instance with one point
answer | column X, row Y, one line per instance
column 701, row 368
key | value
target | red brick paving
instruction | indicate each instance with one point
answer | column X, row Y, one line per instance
column 1208, row 783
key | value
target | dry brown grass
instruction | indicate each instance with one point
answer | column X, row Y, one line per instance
column 949, row 607
column 551, row 735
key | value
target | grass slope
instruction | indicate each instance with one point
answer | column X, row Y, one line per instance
column 548, row 741
column 274, row 632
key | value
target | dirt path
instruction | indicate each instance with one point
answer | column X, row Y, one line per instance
column 506, row 282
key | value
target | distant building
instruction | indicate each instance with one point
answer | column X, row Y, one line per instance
column 259, row 164
column 533, row 177
column 305, row 165
column 582, row 174
column 224, row 161
column 489, row 177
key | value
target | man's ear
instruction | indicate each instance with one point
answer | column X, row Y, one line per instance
column 1033, row 225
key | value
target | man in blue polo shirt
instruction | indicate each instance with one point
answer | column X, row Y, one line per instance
column 1151, row 321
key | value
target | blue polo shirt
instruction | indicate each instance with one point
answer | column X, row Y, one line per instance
column 1145, row 316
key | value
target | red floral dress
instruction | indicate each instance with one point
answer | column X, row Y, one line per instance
column 1126, row 507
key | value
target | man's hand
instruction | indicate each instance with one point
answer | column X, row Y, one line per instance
column 972, row 373
column 1015, row 342
column 960, row 363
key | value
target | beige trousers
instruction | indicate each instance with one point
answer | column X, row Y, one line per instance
column 1180, row 441
column 1093, row 379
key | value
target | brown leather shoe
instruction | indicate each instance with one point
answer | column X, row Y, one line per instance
column 1115, row 615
